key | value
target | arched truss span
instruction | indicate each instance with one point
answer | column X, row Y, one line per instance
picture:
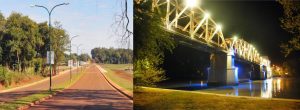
column 196, row 23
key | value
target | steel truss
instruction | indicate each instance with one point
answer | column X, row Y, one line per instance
column 198, row 25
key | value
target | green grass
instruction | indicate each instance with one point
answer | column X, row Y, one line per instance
column 115, row 78
column 32, row 98
column 117, row 66
column 163, row 99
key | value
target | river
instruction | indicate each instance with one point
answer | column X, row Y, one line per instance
column 288, row 88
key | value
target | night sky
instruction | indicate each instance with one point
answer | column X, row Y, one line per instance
column 255, row 21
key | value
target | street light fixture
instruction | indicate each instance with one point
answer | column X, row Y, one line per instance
column 49, row 23
column 71, row 57
column 219, row 26
column 81, row 51
column 206, row 15
column 191, row 3
column 235, row 38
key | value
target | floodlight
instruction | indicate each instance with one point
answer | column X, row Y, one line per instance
column 191, row 3
column 206, row 15
column 235, row 38
column 219, row 26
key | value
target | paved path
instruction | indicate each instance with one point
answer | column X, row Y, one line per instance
column 36, row 88
column 91, row 91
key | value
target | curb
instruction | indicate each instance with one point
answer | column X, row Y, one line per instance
column 117, row 87
column 26, row 107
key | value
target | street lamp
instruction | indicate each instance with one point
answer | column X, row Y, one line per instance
column 81, row 51
column 191, row 3
column 206, row 15
column 49, row 15
column 235, row 38
column 77, row 56
column 219, row 27
column 71, row 57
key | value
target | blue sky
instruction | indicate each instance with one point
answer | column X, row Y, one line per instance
column 90, row 19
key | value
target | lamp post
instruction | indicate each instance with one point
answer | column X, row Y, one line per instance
column 78, row 55
column 81, row 54
column 49, row 15
column 71, row 57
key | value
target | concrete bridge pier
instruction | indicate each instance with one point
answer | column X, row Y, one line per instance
column 259, row 72
column 263, row 72
column 222, row 70
column 232, row 71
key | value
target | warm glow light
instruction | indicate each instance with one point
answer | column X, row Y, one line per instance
column 253, row 47
column 206, row 15
column 235, row 38
column 191, row 3
column 219, row 27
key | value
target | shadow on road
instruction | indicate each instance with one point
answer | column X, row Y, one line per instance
column 10, row 96
column 86, row 99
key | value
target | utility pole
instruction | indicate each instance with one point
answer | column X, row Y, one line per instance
column 71, row 57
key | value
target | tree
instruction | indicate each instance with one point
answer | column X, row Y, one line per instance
column 2, row 25
column 20, row 30
column 150, row 42
column 59, row 43
column 21, row 38
column 24, row 43
column 291, row 23
column 111, row 55
column 121, row 24
column 84, row 57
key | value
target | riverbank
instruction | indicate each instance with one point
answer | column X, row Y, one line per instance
column 165, row 99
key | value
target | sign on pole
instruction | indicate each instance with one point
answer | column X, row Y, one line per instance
column 70, row 63
column 50, row 58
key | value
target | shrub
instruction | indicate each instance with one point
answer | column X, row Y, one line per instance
column 146, row 74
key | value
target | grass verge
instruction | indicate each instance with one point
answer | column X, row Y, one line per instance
column 126, row 84
column 35, row 97
column 163, row 99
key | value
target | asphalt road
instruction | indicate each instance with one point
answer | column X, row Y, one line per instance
column 90, row 92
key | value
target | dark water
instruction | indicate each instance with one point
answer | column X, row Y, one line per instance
column 288, row 88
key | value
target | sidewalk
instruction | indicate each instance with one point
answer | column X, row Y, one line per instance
column 36, row 87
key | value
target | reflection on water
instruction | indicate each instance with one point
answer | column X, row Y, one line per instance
column 270, row 88
column 266, row 89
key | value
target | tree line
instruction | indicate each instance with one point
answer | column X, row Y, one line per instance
column 290, row 23
column 24, row 42
column 112, row 55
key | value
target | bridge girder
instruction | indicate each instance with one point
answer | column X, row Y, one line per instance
column 199, row 26
column 190, row 21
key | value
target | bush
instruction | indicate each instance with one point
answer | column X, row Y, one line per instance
column 37, row 64
column 146, row 74
column 5, row 77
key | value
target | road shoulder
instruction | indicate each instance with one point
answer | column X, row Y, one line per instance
column 125, row 92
